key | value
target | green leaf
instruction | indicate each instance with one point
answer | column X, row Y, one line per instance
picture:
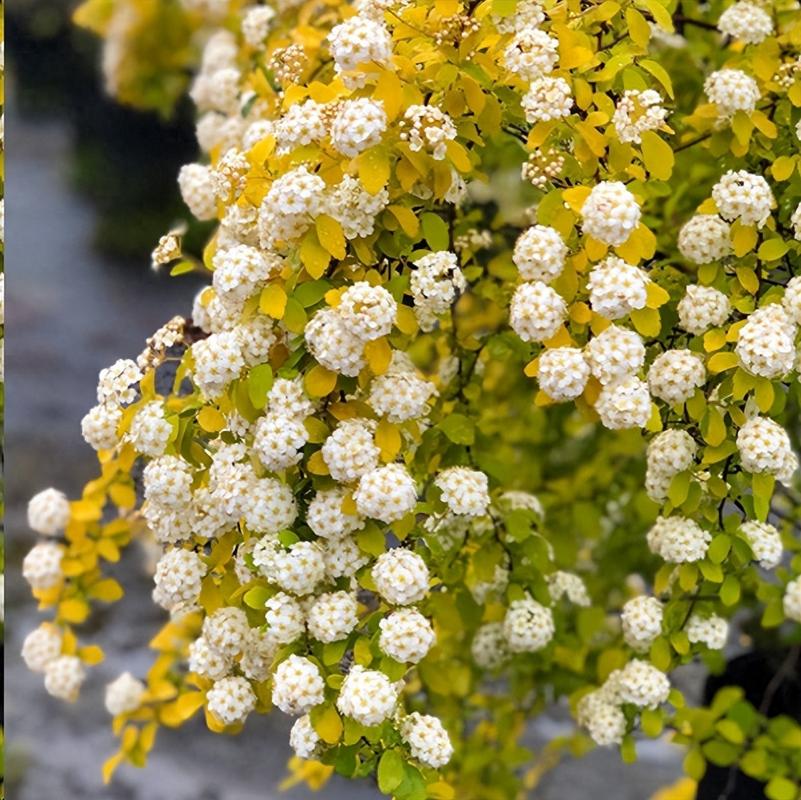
column 390, row 771
column 260, row 381
column 721, row 754
column 695, row 764
column 730, row 731
column 679, row 486
column 719, row 548
column 458, row 428
column 730, row 591
column 657, row 155
column 781, row 789
column 311, row 292
column 762, row 485
column 435, row 229
column 772, row 250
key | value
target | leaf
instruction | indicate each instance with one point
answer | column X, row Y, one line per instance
column 458, row 156
column 107, row 590
column 748, row 279
column 320, row 381
column 295, row 316
column 272, row 300
column 695, row 764
column 772, row 250
column 330, row 236
column 327, row 723
column 260, row 381
column 783, row 168
column 762, row 485
column 647, row 321
column 378, row 354
column 719, row 548
column 435, row 229
column 390, row 771
column 458, row 428
column 638, row 27
column 210, row 419
column 313, row 255
column 657, row 154
column 779, row 788
column 730, row 591
column 743, row 238
column 407, row 219
column 310, row 293
column 720, row 362
column 373, row 167
column 660, row 73
column 388, row 440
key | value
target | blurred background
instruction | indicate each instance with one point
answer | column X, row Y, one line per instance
column 91, row 188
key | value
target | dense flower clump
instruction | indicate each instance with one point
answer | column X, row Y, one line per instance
column 490, row 397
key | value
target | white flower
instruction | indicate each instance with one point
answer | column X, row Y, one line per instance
column 178, row 579
column 614, row 354
column 48, row 512
column 675, row 375
column 99, row 426
column 289, row 206
column 766, row 342
column 792, row 299
column 197, row 190
column 326, row 517
column 168, row 482
column 746, row 21
column 230, row 700
column 117, row 383
column 350, row 451
column 435, row 286
column 284, row 618
column 743, row 196
column 705, row 238
column 206, row 661
column 764, row 446
column 367, row 311
column 678, row 540
column 731, row 90
column 765, row 542
column 354, row 207
column 332, row 616
column 300, row 568
column 547, row 99
column 303, row 739
column 488, row 647
column 428, row 128
column 637, row 112
column 298, row 685
column 278, row 441
column 269, row 506
column 624, row 404
column 641, row 618
column 357, row 125
column 227, row 631
column 239, row 270
column 643, row 685
column 712, row 630
column 150, row 432
column 604, row 721
column 795, row 222
column 358, row 41
column 124, row 695
column 464, row 490
column 539, row 254
column 406, row 635
column 218, row 361
column 343, row 558
column 528, row 626
column 563, row 373
column 302, row 124
column 401, row 395
column 610, row 213
column 400, row 577
column 701, row 308
column 333, row 344
column 617, row 288
column 387, row 493
column 41, row 646
column 64, row 677
column 427, row 739
column 367, row 696
column 568, row 584
column 256, row 24
column 792, row 600
column 41, row 567
column 536, row 312
column 532, row 53
column 669, row 452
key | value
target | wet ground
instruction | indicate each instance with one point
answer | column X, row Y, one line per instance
column 69, row 315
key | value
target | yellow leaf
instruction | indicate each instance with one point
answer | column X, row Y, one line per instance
column 316, row 465
column 406, row 321
column 764, row 395
column 657, row 155
column 328, row 725
column 319, row 381
column 388, row 439
column 783, row 167
column 714, row 340
column 373, row 166
column 440, row 791
column 379, row 355
column 330, row 236
column 313, row 255
column 580, row 312
column 110, row 766
column 458, row 156
column 748, row 279
column 390, row 92
column 647, row 321
column 720, row 362
column 772, row 250
column 187, row 704
column 660, row 73
column 764, row 124
column 122, row 495
column 108, row 590
column 656, row 296
column 210, row 419
column 532, row 369
column 73, row 610
column 743, row 238
column 85, row 510
column 639, row 30
column 92, row 655
column 576, row 196
column 273, row 300
column 682, row 789
column 407, row 219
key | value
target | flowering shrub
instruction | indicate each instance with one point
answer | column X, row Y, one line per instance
column 488, row 404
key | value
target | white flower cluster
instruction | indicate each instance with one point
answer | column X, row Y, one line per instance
column 765, row 542
column 764, row 446
column 428, row 128
column 532, row 53
column 400, row 577
column 539, row 254
column 48, row 512
column 357, row 125
column 791, row 601
column 298, row 686
column 669, row 452
column 610, row 213
column 536, row 312
column 702, row 308
column 617, row 288
column 436, row 284
column 743, row 196
column 178, row 579
column 358, row 41
column 367, row 696
column 428, row 740
column 641, row 618
column 675, row 375
column 464, row 490
column 705, row 238
column 124, row 695
column 563, row 373
column 547, row 99
column 731, row 90
column 528, row 626
column 678, row 540
column 766, row 342
column 746, row 22
column 711, row 630
column 637, row 112
column 624, row 404
column 568, row 584
column 406, row 635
